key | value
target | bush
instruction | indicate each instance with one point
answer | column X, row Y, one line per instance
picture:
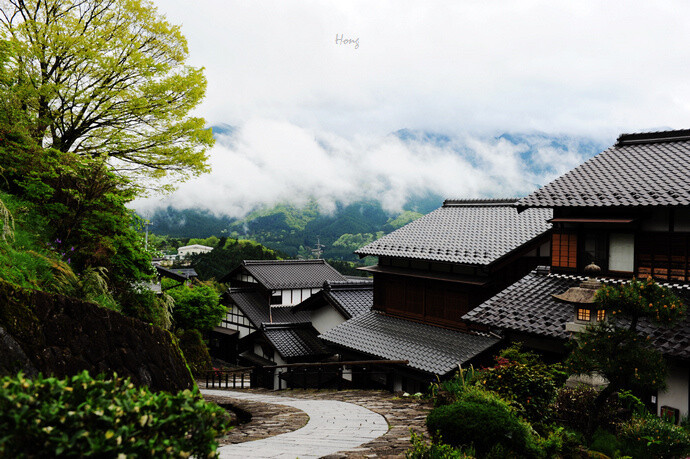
column 530, row 387
column 484, row 421
column 84, row 416
column 196, row 307
column 574, row 406
column 650, row 437
column 195, row 352
column 605, row 442
column 422, row 449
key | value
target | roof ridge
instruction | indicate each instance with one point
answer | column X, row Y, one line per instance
column 636, row 138
column 479, row 202
column 283, row 262
column 347, row 285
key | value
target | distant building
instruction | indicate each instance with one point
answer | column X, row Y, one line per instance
column 182, row 252
column 260, row 327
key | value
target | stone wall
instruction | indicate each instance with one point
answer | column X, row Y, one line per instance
column 61, row 336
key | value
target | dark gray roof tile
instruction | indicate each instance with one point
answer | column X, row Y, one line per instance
column 288, row 274
column 645, row 169
column 431, row 349
column 476, row 232
column 295, row 340
column 528, row 306
column 256, row 308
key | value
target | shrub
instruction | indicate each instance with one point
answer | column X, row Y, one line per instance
column 530, row 387
column 196, row 307
column 605, row 442
column 195, row 352
column 484, row 421
column 84, row 416
column 422, row 449
column 574, row 406
column 649, row 437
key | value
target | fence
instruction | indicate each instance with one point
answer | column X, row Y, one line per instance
column 360, row 374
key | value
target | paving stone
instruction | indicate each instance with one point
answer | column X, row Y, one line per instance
column 330, row 426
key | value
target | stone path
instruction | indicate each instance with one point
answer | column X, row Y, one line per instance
column 402, row 413
column 333, row 426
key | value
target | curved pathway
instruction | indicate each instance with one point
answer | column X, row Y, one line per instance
column 333, row 426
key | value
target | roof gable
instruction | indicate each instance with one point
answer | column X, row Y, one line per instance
column 642, row 169
column 475, row 232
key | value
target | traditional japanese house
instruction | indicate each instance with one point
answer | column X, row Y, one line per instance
column 260, row 327
column 431, row 272
column 627, row 210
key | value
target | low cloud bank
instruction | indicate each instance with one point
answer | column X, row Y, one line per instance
column 265, row 162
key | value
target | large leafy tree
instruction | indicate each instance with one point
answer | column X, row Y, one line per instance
column 106, row 79
column 616, row 349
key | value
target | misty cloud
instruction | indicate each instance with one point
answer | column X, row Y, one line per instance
column 268, row 162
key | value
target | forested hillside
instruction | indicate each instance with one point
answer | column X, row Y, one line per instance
column 291, row 230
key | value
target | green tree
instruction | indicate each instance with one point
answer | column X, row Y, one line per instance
column 616, row 349
column 106, row 79
column 196, row 307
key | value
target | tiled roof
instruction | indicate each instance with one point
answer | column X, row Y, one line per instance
column 431, row 349
column 650, row 169
column 353, row 297
column 295, row 340
column 528, row 306
column 178, row 274
column 256, row 308
column 287, row 274
column 476, row 232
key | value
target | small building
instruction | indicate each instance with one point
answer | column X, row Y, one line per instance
column 260, row 324
column 187, row 250
column 627, row 210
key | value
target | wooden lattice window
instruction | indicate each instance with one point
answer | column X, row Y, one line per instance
column 584, row 314
column 564, row 250
column 601, row 315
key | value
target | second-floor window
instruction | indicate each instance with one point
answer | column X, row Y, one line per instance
column 564, row 250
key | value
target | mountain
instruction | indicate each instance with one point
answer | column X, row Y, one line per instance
column 295, row 231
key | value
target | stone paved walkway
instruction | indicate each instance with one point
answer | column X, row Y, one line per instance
column 401, row 414
column 333, row 426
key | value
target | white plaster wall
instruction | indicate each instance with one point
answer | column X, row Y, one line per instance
column 676, row 394
column 325, row 318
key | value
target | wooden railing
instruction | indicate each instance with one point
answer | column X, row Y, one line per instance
column 360, row 374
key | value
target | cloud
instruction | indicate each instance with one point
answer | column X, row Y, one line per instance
column 588, row 68
column 267, row 162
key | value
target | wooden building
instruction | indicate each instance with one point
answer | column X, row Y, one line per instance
column 626, row 210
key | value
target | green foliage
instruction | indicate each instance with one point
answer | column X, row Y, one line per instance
column 531, row 388
column 107, row 79
column 651, row 437
column 622, row 356
column 83, row 416
column 195, row 351
column 448, row 391
column 615, row 350
column 405, row 217
column 421, row 449
column 574, row 406
column 605, row 442
column 486, row 422
column 197, row 306
column 641, row 299
column 227, row 255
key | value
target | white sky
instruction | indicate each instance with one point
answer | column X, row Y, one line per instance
column 314, row 117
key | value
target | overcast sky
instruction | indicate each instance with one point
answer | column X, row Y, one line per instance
column 314, row 116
